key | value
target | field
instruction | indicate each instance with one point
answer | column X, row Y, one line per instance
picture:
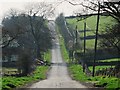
column 90, row 27
column 91, row 23
column 100, row 67
column 90, row 30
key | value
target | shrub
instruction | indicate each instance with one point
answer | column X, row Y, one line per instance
column 25, row 63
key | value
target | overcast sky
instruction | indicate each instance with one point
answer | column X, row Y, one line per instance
column 6, row 5
column 65, row 7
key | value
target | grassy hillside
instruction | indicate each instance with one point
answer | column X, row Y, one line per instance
column 91, row 27
column 91, row 22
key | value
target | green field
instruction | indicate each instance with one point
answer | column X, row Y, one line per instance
column 99, row 67
column 103, row 67
column 91, row 26
column 109, row 60
column 91, row 23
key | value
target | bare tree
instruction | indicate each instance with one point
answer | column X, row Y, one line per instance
column 108, row 7
column 42, row 9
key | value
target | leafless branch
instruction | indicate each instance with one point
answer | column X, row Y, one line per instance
column 73, row 3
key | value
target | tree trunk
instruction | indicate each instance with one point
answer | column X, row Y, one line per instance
column 38, row 52
column 83, row 65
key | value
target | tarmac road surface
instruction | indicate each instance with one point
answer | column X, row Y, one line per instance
column 58, row 76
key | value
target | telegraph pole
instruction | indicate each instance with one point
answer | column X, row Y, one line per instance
column 96, row 38
column 84, row 45
column 76, row 35
column 84, row 38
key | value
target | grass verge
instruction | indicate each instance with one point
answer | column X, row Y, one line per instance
column 48, row 56
column 63, row 50
column 64, row 53
column 10, row 82
column 109, row 83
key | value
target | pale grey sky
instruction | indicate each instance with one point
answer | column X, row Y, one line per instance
column 5, row 6
column 65, row 7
